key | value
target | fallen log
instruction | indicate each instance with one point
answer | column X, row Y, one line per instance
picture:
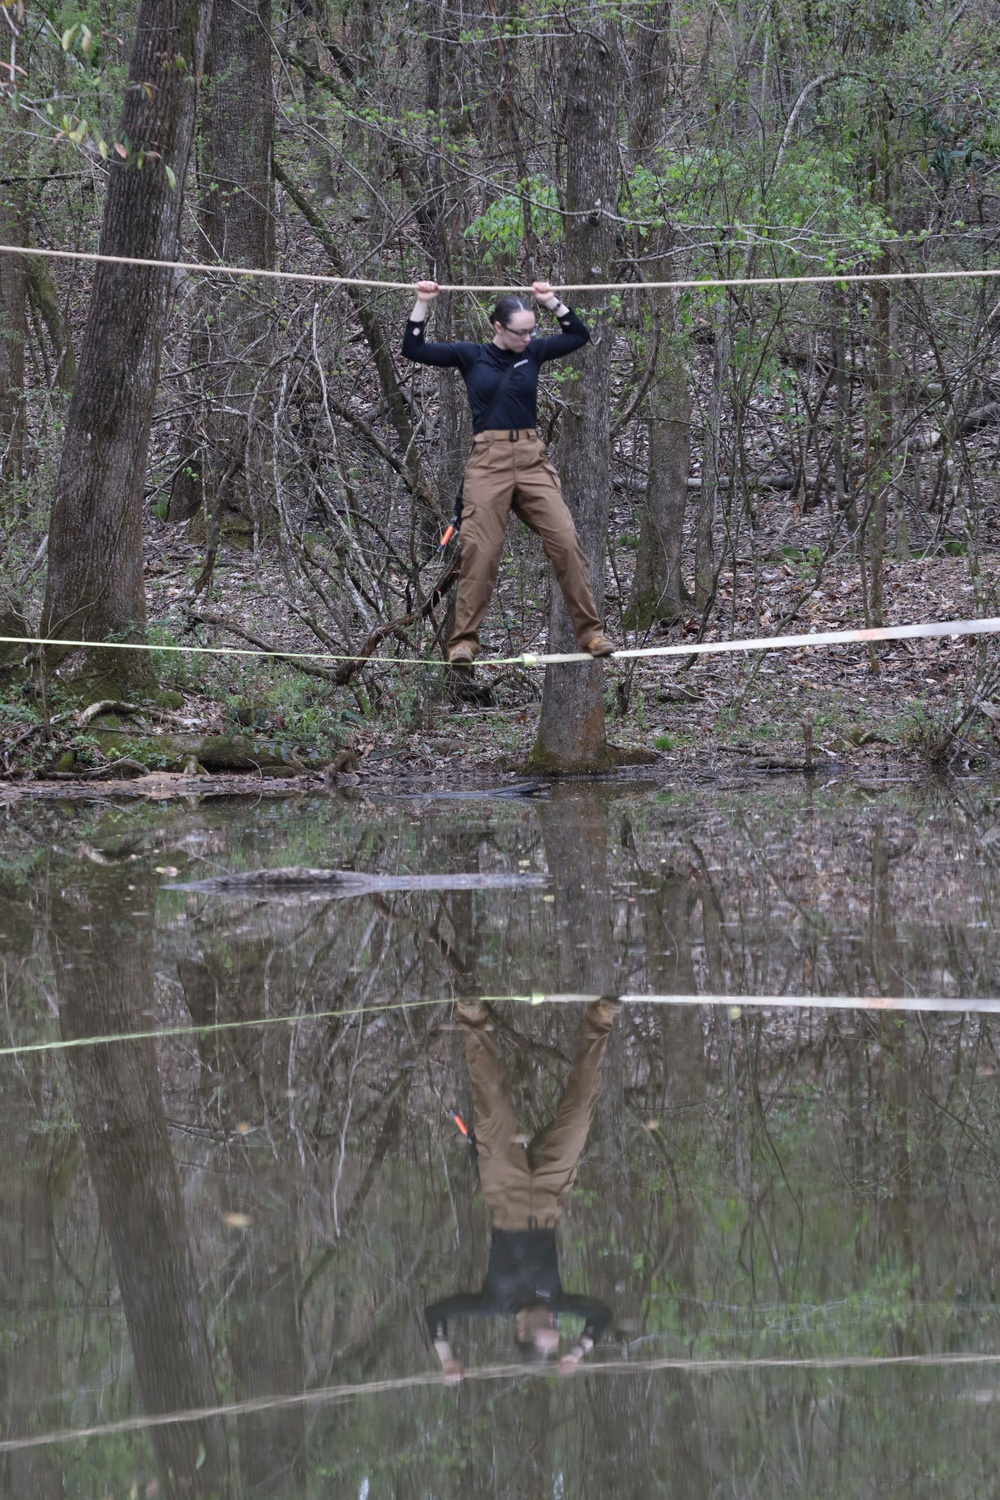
column 354, row 882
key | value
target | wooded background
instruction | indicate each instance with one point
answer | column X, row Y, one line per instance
column 588, row 142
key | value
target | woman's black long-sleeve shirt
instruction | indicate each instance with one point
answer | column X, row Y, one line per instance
column 523, row 1271
column 483, row 367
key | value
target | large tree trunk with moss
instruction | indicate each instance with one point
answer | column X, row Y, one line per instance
column 94, row 590
column 224, row 442
column 571, row 732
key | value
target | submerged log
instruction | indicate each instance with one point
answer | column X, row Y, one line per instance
column 356, row 882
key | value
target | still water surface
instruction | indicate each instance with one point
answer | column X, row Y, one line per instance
column 242, row 1183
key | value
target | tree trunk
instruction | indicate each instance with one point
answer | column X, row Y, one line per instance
column 224, row 443
column 704, row 556
column 236, row 209
column 880, row 438
column 44, row 297
column 13, row 334
column 102, row 956
column 94, row 589
column 841, row 444
column 571, row 732
column 324, row 181
column 658, row 588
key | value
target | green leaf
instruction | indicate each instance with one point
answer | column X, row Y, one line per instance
column 67, row 37
column 171, row 175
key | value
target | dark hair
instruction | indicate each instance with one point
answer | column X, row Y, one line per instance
column 507, row 305
column 531, row 1354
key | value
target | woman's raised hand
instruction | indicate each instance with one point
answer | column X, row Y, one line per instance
column 543, row 293
column 427, row 290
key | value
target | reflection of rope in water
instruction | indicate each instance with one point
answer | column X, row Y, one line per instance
column 987, row 1006
column 66, row 1044
column 926, row 631
column 331, row 1394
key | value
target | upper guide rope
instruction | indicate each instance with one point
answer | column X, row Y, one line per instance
column 315, row 278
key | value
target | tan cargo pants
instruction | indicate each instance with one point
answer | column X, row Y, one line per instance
column 509, row 471
column 526, row 1186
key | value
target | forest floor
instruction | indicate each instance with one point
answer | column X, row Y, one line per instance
column 900, row 709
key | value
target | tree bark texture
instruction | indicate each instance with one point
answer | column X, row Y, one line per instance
column 224, row 444
column 647, row 88
column 43, row 294
column 310, row 16
column 658, row 588
column 711, row 469
column 13, row 335
column 94, row 588
column 571, row 731
column 102, row 954
column 841, row 441
column 880, row 440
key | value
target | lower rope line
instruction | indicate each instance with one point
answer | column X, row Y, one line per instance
column 923, row 1003
column 930, row 630
column 331, row 1394
column 926, row 631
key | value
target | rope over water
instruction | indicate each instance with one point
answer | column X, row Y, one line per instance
column 926, row 631
column 949, row 1005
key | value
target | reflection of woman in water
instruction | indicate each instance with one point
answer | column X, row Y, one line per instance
column 526, row 1188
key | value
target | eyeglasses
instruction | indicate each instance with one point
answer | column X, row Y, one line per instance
column 530, row 334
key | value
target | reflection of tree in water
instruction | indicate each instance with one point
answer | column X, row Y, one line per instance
column 249, row 1073
column 102, row 955
column 770, row 1183
column 29, row 1364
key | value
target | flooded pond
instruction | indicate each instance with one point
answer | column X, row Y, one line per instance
column 375, row 1188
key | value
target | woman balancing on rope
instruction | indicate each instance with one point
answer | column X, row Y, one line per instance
column 507, row 469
